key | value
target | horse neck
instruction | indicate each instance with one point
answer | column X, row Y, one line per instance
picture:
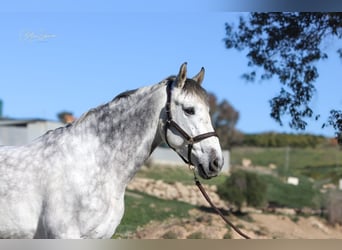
column 127, row 129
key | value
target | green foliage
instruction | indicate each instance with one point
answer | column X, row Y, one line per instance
column 288, row 46
column 224, row 118
column 335, row 120
column 294, row 218
column 283, row 194
column 169, row 235
column 196, row 235
column 256, row 190
column 243, row 187
column 234, row 189
column 227, row 235
column 62, row 116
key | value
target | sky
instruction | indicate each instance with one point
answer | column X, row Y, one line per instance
column 69, row 59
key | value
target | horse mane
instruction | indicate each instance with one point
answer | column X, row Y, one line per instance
column 125, row 94
column 190, row 87
column 120, row 97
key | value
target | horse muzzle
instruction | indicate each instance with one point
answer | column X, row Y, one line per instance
column 212, row 169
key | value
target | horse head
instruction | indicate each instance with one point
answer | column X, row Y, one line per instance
column 188, row 128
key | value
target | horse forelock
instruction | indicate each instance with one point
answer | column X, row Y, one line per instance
column 193, row 88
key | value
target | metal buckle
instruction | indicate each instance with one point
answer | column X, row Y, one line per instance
column 191, row 141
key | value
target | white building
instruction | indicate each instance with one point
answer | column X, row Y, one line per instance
column 169, row 157
column 18, row 132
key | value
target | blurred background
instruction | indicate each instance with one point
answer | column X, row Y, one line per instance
column 274, row 91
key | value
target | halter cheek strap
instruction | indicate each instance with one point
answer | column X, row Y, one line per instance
column 170, row 123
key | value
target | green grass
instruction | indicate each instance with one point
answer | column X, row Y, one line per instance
column 332, row 173
column 172, row 174
column 318, row 163
column 141, row 208
column 168, row 174
column 298, row 157
column 303, row 195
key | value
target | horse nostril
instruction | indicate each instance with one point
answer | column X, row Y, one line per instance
column 214, row 165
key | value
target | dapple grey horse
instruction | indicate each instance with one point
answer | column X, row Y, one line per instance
column 70, row 182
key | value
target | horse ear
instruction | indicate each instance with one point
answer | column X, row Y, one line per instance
column 181, row 77
column 199, row 77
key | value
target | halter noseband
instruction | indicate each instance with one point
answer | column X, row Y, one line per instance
column 171, row 123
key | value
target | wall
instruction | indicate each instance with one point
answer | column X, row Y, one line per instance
column 23, row 133
column 12, row 135
column 37, row 129
column 168, row 156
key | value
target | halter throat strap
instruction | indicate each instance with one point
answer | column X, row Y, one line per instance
column 170, row 123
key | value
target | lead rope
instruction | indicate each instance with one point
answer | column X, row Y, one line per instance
column 204, row 193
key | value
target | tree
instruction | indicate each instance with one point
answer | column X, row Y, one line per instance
column 288, row 46
column 224, row 118
column 65, row 117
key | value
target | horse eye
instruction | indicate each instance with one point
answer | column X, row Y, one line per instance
column 189, row 111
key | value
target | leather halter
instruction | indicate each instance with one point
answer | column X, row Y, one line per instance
column 170, row 123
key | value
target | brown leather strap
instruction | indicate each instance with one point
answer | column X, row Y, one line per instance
column 200, row 187
column 204, row 136
column 170, row 123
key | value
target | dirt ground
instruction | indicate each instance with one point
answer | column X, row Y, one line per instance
column 204, row 225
